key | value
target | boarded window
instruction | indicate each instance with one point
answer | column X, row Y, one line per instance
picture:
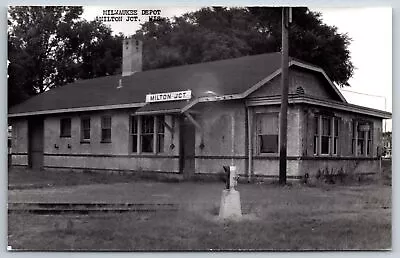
column 147, row 137
column 268, row 133
column 106, row 129
column 65, row 127
column 85, row 129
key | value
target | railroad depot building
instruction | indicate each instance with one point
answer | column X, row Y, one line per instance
column 193, row 119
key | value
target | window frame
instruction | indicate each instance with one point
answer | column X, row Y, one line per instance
column 103, row 129
column 63, row 132
column 160, row 134
column 134, row 134
column 154, row 132
column 83, row 139
column 327, row 135
column 147, row 131
column 333, row 135
column 367, row 138
column 259, row 134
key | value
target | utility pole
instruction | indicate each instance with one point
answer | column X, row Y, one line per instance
column 286, row 12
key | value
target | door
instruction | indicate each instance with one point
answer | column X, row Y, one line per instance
column 187, row 150
column 36, row 142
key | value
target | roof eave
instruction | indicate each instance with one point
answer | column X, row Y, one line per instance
column 81, row 109
column 296, row 99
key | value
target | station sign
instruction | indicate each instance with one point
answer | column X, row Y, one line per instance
column 169, row 96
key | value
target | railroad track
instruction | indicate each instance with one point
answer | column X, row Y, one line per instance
column 85, row 208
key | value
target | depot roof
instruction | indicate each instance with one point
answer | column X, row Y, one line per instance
column 231, row 78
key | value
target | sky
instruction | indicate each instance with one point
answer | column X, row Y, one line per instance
column 370, row 29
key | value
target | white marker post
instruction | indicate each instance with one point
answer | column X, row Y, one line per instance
column 230, row 207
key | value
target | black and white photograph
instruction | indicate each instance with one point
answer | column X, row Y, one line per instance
column 209, row 128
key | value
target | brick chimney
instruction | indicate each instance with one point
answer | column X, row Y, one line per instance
column 132, row 50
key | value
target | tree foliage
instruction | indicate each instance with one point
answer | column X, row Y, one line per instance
column 49, row 46
column 219, row 33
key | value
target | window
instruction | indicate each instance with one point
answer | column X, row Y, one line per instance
column 65, row 127
column 326, row 135
column 360, row 142
column 267, row 133
column 362, row 138
column 316, row 134
column 335, row 135
column 151, row 134
column 106, row 129
column 85, row 129
column 160, row 134
column 147, row 140
column 134, row 133
column 369, row 142
column 354, row 139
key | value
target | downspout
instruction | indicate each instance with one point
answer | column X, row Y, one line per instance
column 232, row 138
column 250, row 143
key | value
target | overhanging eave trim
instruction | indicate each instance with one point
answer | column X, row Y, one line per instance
column 82, row 109
column 276, row 100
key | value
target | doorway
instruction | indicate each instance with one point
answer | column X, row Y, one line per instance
column 36, row 142
column 187, row 148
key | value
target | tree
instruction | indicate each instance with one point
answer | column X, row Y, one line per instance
column 49, row 46
column 219, row 33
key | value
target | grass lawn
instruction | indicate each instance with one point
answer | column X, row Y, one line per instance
column 356, row 217
column 21, row 178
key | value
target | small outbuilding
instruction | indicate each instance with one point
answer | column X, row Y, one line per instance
column 193, row 119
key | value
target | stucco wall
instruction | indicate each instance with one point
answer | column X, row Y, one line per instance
column 270, row 167
column 97, row 155
column 348, row 167
column 345, row 160
column 293, row 132
column 219, row 121
column 128, row 163
column 346, row 119
column 268, row 164
column 224, row 130
column 222, row 143
column 119, row 135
